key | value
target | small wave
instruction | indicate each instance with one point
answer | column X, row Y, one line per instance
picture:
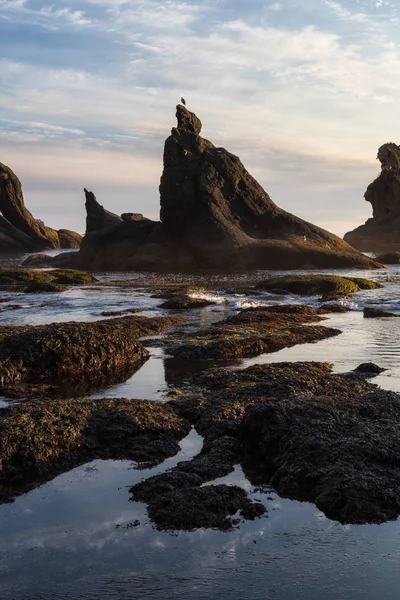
column 216, row 298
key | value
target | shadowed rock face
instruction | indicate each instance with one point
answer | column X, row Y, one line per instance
column 19, row 230
column 97, row 218
column 381, row 233
column 214, row 216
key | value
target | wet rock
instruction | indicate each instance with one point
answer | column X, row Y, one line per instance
column 211, row 506
column 71, row 277
column 184, row 302
column 376, row 313
column 333, row 308
column 44, row 286
column 279, row 292
column 176, row 501
column 20, row 277
column 334, row 443
column 390, row 258
column 334, row 297
column 37, row 260
column 38, row 440
column 310, row 285
column 252, row 332
column 369, row 368
column 74, row 351
column 117, row 313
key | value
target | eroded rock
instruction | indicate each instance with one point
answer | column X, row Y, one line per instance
column 381, row 233
column 214, row 216
column 19, row 230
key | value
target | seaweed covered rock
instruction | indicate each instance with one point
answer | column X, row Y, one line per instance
column 44, row 287
column 185, row 302
column 20, row 277
column 310, row 285
column 19, row 230
column 333, row 441
column 213, row 216
column 194, row 507
column 38, row 440
column 252, row 332
column 72, row 351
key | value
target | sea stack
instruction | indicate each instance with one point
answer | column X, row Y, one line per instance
column 381, row 233
column 19, row 230
column 214, row 217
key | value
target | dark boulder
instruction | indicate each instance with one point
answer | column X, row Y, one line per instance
column 390, row 258
column 214, row 216
column 374, row 313
column 369, row 369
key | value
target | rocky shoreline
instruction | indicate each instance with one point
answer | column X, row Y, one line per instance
column 311, row 434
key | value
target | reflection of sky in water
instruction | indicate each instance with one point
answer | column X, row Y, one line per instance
column 362, row 340
column 71, row 539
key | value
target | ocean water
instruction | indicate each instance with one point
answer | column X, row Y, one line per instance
column 79, row 537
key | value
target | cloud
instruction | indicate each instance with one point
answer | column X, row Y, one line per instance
column 309, row 98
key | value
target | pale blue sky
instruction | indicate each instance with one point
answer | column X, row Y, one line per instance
column 303, row 92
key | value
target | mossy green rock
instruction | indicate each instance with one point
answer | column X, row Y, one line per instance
column 44, row 286
column 309, row 285
column 57, row 276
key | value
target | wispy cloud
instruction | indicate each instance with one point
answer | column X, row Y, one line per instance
column 284, row 85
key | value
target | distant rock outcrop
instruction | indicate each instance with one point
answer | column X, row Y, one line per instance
column 19, row 230
column 97, row 217
column 381, row 233
column 214, row 216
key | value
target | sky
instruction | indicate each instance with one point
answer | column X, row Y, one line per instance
column 304, row 92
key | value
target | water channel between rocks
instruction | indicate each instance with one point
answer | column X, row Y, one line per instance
column 79, row 536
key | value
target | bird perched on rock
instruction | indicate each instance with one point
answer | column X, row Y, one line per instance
column 183, row 101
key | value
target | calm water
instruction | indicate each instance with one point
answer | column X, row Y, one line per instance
column 79, row 537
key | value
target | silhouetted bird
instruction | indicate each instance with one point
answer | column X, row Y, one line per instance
column 183, row 101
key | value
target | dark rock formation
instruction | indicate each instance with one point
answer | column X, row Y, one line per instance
column 331, row 440
column 309, row 285
column 381, row 233
column 97, row 217
column 10, row 278
column 38, row 440
column 214, row 216
column 377, row 313
column 19, row 230
column 67, row 352
column 391, row 258
column 69, row 239
column 370, row 369
column 185, row 302
column 253, row 332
